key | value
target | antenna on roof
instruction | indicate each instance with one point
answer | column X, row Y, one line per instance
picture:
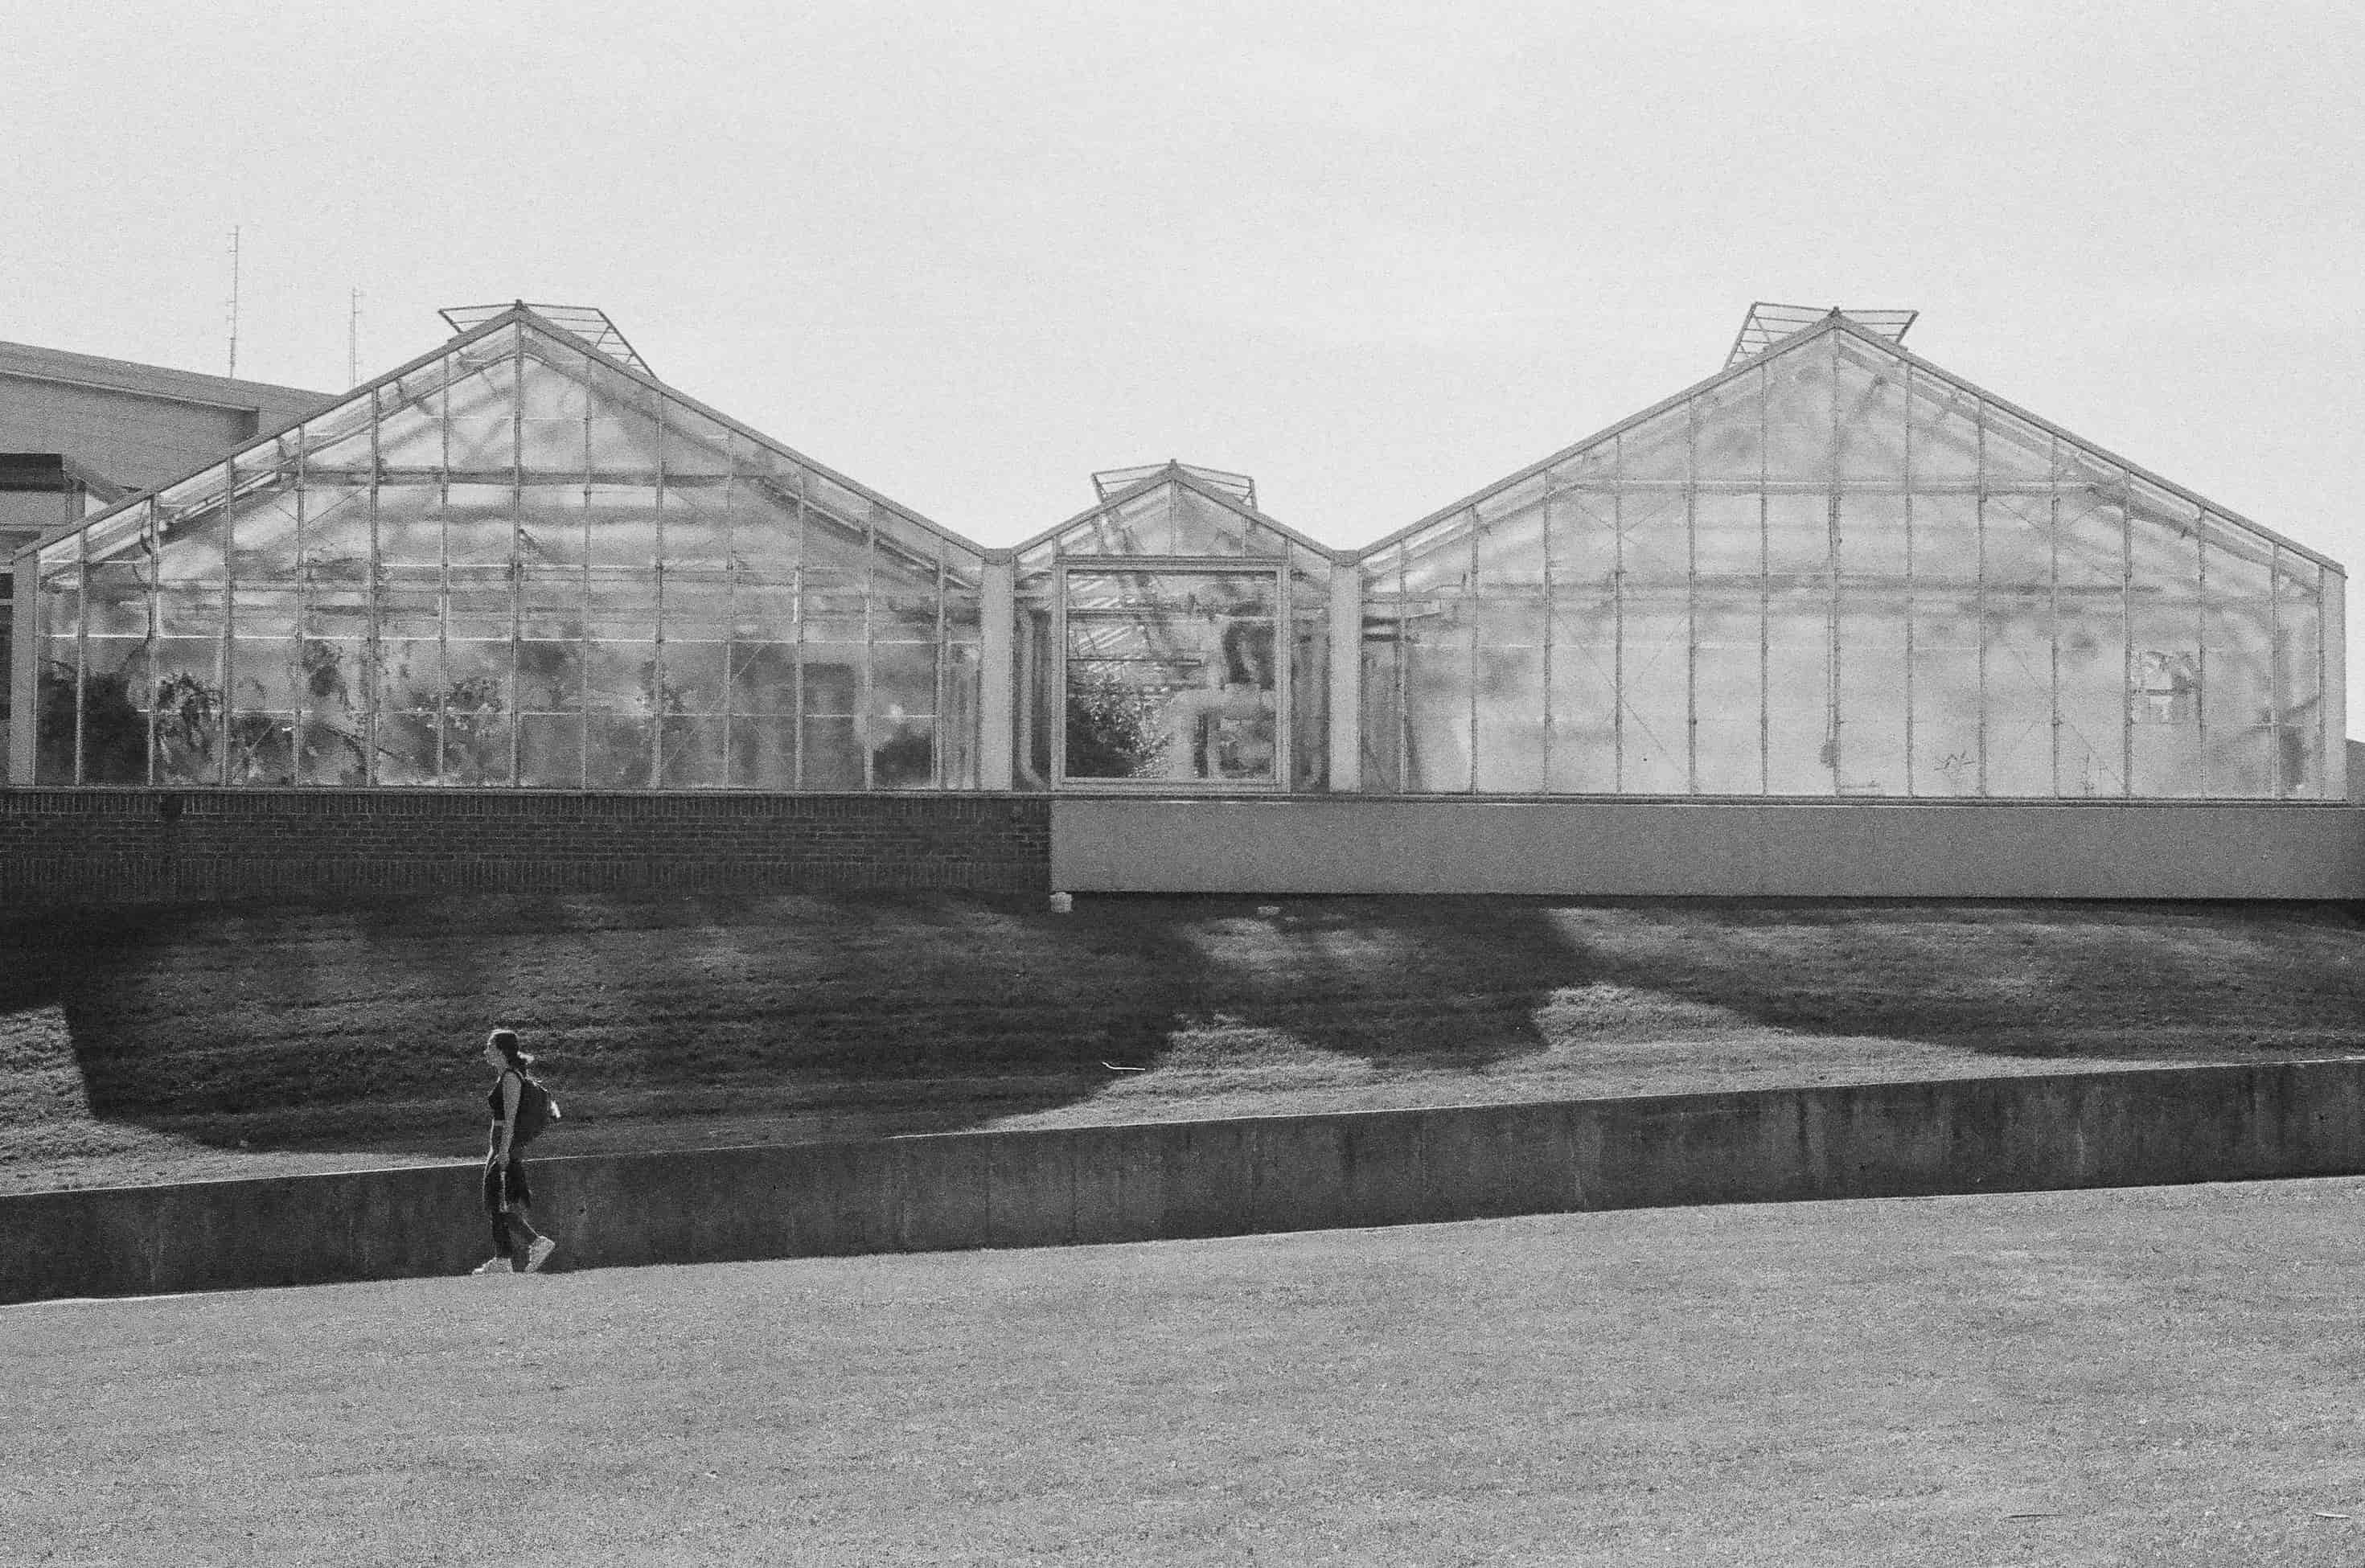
column 233, row 303
column 353, row 342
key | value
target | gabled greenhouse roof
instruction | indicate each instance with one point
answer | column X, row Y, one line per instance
column 1108, row 482
column 1141, row 481
column 357, row 407
column 1837, row 323
column 1232, row 492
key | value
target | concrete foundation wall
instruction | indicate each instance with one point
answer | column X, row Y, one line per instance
column 64, row 847
column 1643, row 849
column 1162, row 1181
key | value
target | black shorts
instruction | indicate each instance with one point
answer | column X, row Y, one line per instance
column 520, row 1195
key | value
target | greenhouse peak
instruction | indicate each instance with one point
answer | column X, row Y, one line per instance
column 587, row 322
column 1767, row 324
column 1109, row 482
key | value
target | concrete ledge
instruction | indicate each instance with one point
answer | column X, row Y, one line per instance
column 1157, row 1181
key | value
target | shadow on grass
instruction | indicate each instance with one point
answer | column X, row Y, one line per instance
column 355, row 1025
column 2045, row 981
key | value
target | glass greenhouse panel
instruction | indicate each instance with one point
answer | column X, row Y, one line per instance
column 334, row 541
column 1437, row 685
column 550, row 751
column 59, row 694
column 618, row 750
column 831, row 757
column 1309, row 694
column 2238, row 699
column 1872, row 423
column 1581, row 542
column 1728, row 542
column 2299, row 676
column 1581, row 698
column 409, row 532
column 692, row 752
column 957, row 722
column 696, row 677
column 116, row 638
column 1945, row 674
column 1942, row 435
column 1728, row 683
column 1381, row 720
column 763, row 753
column 1870, row 750
column 1729, row 430
column 1444, row 563
column 763, row 676
column 1801, row 414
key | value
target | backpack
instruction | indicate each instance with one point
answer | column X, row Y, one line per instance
column 537, row 1110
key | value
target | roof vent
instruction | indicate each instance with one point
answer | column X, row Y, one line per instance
column 587, row 322
column 1768, row 324
column 1239, row 486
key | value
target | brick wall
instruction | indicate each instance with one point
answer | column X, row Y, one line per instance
column 62, row 847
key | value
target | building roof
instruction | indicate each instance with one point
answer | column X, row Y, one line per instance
column 132, row 425
column 343, row 415
column 1886, row 344
column 1776, row 333
column 1229, row 492
column 273, row 403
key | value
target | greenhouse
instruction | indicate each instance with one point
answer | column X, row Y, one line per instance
column 1829, row 571
column 1834, row 570
column 1208, row 667
column 519, row 562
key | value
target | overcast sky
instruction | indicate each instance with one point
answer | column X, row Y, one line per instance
column 1376, row 256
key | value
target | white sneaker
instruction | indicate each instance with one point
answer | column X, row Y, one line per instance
column 492, row 1266
column 539, row 1253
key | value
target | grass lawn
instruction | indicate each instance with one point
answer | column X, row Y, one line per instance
column 154, row 1044
column 2167, row 1375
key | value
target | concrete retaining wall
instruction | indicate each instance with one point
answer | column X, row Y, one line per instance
column 1713, row 848
column 1148, row 1182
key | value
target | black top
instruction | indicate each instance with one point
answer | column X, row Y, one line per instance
column 493, row 1098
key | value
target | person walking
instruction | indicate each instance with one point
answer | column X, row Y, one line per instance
column 517, row 1246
